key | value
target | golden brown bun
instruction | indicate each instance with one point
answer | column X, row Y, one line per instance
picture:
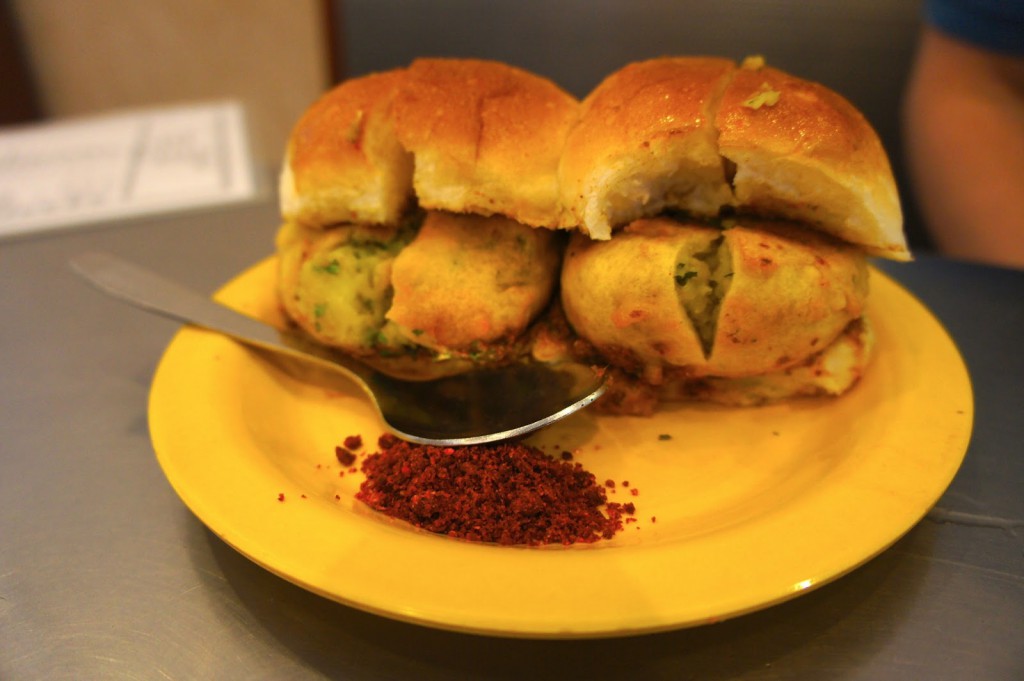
column 665, row 297
column 675, row 132
column 810, row 157
column 486, row 138
column 460, row 135
column 343, row 162
column 645, row 142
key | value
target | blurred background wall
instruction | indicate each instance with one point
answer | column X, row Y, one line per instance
column 88, row 56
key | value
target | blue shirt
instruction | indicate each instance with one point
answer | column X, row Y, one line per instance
column 995, row 24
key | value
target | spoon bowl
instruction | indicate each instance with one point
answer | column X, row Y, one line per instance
column 475, row 407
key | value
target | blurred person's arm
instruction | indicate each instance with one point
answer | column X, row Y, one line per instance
column 964, row 132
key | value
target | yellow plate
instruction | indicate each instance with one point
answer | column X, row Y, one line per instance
column 740, row 509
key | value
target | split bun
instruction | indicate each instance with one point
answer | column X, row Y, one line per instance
column 709, row 137
column 459, row 135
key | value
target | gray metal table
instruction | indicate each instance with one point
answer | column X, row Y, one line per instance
column 105, row 574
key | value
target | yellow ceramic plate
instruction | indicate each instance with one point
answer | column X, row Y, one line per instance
column 739, row 509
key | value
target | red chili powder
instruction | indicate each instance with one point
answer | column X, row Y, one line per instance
column 345, row 457
column 504, row 494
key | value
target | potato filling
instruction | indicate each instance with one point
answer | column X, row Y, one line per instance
column 343, row 290
column 702, row 275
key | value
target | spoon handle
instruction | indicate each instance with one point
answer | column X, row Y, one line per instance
column 151, row 292
column 148, row 290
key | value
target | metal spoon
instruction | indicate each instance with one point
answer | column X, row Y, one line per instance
column 471, row 408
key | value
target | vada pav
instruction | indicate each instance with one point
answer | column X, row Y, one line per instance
column 420, row 207
column 726, row 213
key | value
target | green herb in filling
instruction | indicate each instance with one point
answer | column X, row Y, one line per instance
column 702, row 278
column 332, row 268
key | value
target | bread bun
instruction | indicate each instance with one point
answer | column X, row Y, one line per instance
column 665, row 297
column 804, row 153
column 462, row 135
column 343, row 162
column 646, row 142
column 708, row 137
column 486, row 138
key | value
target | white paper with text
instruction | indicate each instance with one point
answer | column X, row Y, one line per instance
column 122, row 165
